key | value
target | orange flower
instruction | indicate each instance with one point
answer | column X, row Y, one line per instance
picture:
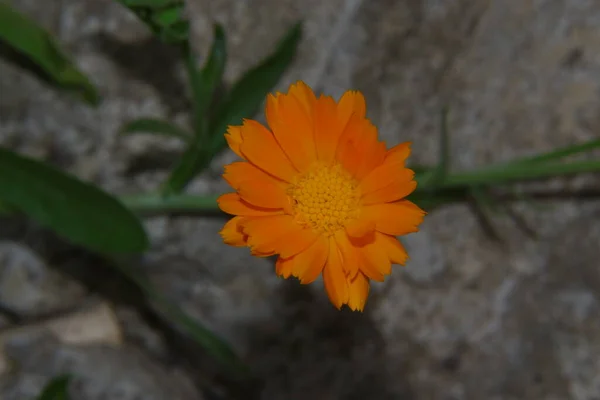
column 321, row 191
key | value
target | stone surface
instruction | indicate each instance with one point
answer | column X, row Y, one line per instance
column 29, row 288
column 100, row 372
column 467, row 318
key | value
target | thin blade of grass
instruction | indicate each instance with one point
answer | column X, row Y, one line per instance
column 213, row 345
column 243, row 101
column 25, row 43
column 562, row 152
column 505, row 174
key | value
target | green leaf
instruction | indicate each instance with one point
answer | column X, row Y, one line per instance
column 25, row 43
column 6, row 209
column 169, row 16
column 503, row 174
column 243, row 101
column 563, row 152
column 206, row 81
column 164, row 18
column 56, row 389
column 213, row 345
column 247, row 94
column 153, row 4
column 157, row 127
column 79, row 211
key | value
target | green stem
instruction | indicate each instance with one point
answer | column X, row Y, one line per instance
column 503, row 174
column 495, row 175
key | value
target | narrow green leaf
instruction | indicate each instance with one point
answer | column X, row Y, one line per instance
column 153, row 4
column 79, row 211
column 186, row 168
column 243, row 101
column 247, row 94
column 56, row 389
column 30, row 46
column 563, row 152
column 164, row 18
column 206, row 81
column 504, row 174
column 157, row 127
column 213, row 345
column 169, row 16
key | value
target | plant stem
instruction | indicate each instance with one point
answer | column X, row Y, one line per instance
column 449, row 191
column 503, row 174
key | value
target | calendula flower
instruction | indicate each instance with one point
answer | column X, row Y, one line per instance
column 318, row 189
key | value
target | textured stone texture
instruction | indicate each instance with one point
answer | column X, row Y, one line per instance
column 468, row 318
column 100, row 372
column 28, row 288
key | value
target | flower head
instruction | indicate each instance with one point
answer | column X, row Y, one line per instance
column 318, row 189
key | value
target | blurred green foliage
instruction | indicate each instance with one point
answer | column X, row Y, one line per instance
column 25, row 43
column 56, row 389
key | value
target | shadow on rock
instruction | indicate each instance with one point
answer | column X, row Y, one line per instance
column 313, row 350
column 152, row 62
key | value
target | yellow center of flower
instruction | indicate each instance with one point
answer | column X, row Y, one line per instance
column 325, row 198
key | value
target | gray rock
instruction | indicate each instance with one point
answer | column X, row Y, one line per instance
column 99, row 372
column 29, row 288
column 427, row 258
column 466, row 318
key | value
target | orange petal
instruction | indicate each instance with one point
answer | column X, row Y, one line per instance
column 293, row 129
column 328, row 128
column 261, row 149
column 264, row 194
column 237, row 172
column 374, row 260
column 304, row 94
column 398, row 154
column 257, row 253
column 394, row 249
column 398, row 218
column 359, row 149
column 348, row 151
column 263, row 232
column 234, row 139
column 296, row 241
column 308, row 264
column 358, row 291
column 334, row 277
column 232, row 203
column 360, row 227
column 256, row 186
column 283, row 267
column 350, row 260
column 232, row 233
column 384, row 175
column 351, row 103
column 393, row 192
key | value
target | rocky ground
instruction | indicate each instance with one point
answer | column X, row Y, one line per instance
column 468, row 318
